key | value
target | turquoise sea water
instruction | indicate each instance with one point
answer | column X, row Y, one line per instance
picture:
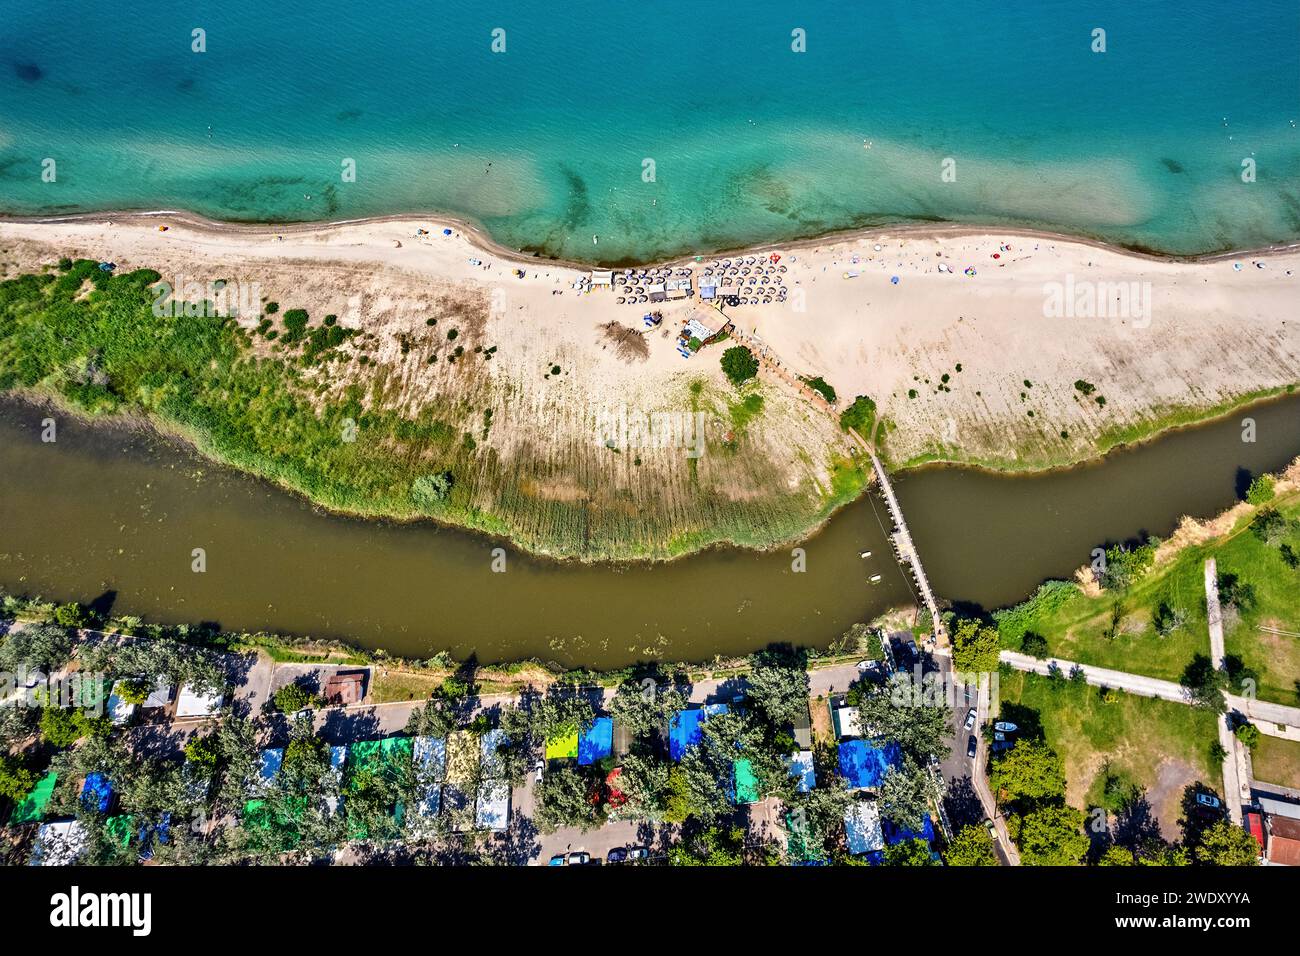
column 1140, row 145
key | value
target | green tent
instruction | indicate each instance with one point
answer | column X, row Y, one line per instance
column 32, row 807
column 120, row 828
column 746, row 782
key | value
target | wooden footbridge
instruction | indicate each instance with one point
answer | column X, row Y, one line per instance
column 902, row 541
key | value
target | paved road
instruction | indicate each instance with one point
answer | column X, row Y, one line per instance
column 1214, row 613
column 1260, row 711
column 1101, row 676
column 1235, row 769
column 966, row 777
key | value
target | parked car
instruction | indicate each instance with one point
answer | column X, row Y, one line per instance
column 638, row 853
column 579, row 858
column 557, row 860
column 993, row 831
column 616, row 855
column 970, row 718
column 1208, row 800
column 972, row 746
column 538, row 769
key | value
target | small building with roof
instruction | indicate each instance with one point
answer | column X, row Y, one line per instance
column 801, row 768
column 32, row 807
column 596, row 742
column 59, row 843
column 862, row 828
column 492, row 809
column 190, row 703
column 1283, row 841
column 863, row 764
column 118, row 710
column 685, row 730
column 846, row 721
column 344, row 687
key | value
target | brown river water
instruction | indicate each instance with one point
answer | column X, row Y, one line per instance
column 115, row 513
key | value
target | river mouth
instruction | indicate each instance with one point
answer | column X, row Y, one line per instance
column 116, row 513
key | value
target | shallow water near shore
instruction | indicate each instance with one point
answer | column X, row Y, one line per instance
column 546, row 144
column 117, row 511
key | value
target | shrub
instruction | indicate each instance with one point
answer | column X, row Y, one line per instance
column 1260, row 490
column 294, row 697
column 1035, row 645
column 430, row 489
column 71, row 615
column 203, row 750
column 860, row 416
column 63, row 728
column 739, row 365
column 295, row 324
column 820, row 384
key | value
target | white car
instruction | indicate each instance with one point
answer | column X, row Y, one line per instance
column 970, row 718
column 538, row 769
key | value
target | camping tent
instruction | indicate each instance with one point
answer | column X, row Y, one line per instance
column 685, row 729
column 596, row 742
column 862, row 828
column 863, row 764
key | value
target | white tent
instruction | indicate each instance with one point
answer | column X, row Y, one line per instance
column 493, row 810
column 119, row 711
column 430, row 756
column 191, row 704
column 58, row 844
column 862, row 828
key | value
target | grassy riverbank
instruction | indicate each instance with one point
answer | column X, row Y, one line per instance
column 324, row 411
column 1158, row 623
column 1051, row 450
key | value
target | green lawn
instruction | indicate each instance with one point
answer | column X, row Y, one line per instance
column 1157, row 745
column 1116, row 631
column 1277, row 761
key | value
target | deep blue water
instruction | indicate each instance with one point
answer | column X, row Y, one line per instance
column 1141, row 145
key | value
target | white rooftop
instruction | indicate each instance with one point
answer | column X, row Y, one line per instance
column 862, row 828
column 191, row 704
column 58, row 843
column 847, row 722
column 493, row 809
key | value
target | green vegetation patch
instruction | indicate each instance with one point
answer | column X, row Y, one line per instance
column 1275, row 760
column 1103, row 734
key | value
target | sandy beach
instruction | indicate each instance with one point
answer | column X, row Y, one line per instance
column 971, row 343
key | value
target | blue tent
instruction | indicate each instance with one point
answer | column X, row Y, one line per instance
column 863, row 764
column 97, row 792
column 684, row 729
column 596, row 742
column 896, row 834
column 801, row 768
